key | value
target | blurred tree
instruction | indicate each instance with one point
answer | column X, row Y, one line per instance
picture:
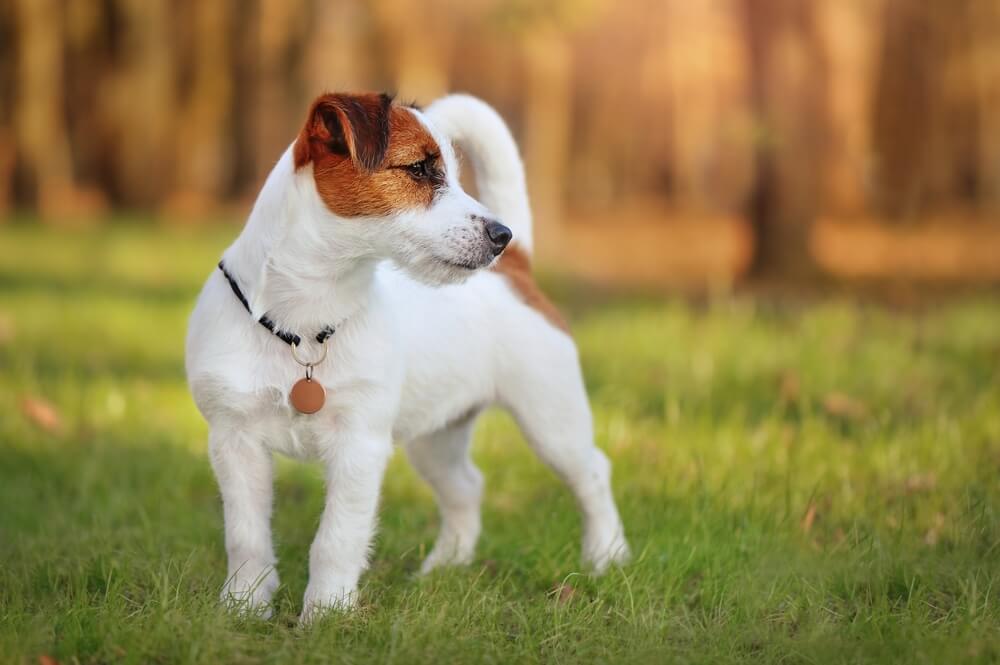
column 277, row 110
column 201, row 141
column 925, row 130
column 244, row 178
column 984, row 69
column 8, row 82
column 708, row 85
column 143, row 102
column 850, row 30
column 544, row 32
column 780, row 111
column 406, row 29
column 43, row 143
column 788, row 91
column 338, row 55
column 547, row 131
column 87, row 61
column 620, row 138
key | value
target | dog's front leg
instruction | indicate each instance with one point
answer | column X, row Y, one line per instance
column 354, row 469
column 243, row 468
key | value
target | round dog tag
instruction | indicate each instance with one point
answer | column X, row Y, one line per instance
column 307, row 396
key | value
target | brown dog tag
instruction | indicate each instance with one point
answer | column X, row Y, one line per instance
column 307, row 396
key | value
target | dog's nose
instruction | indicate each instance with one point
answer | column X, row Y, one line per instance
column 498, row 234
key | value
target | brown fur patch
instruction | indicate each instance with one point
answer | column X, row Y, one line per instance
column 364, row 176
column 515, row 265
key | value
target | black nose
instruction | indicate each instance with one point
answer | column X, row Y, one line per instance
column 498, row 234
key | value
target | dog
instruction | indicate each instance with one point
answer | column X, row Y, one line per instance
column 370, row 300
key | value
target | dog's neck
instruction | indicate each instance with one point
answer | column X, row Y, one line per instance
column 301, row 275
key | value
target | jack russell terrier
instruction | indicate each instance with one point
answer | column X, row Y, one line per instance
column 368, row 300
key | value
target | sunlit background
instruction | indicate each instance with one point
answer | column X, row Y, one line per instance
column 667, row 141
column 773, row 226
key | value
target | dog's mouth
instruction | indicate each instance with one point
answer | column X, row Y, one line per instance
column 468, row 264
column 460, row 264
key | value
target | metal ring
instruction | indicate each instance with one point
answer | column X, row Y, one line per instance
column 308, row 363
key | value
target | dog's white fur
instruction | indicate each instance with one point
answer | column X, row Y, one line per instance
column 422, row 346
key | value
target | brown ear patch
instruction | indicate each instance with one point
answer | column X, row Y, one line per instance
column 515, row 265
column 350, row 125
column 359, row 173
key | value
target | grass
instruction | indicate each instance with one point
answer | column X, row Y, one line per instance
column 801, row 482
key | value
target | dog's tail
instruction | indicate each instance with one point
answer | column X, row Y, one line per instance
column 482, row 135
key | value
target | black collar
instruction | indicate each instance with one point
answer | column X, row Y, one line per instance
column 286, row 337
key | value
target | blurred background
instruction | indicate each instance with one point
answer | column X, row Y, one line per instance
column 667, row 141
column 727, row 194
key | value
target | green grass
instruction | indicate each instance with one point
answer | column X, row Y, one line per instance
column 801, row 482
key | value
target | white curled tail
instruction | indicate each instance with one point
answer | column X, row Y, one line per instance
column 479, row 132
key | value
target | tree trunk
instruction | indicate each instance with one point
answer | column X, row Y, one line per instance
column 548, row 112
column 201, row 140
column 143, row 103
column 986, row 75
column 279, row 108
column 707, row 83
column 787, row 89
column 850, row 32
column 339, row 45
column 419, row 69
column 38, row 122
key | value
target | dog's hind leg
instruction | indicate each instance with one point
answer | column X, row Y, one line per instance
column 442, row 459
column 543, row 388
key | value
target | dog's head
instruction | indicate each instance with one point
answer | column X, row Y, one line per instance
column 386, row 171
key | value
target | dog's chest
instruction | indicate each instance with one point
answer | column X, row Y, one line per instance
column 352, row 397
column 301, row 440
column 286, row 431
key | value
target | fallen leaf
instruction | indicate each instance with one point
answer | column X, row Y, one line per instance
column 921, row 482
column 809, row 518
column 41, row 413
column 934, row 533
column 564, row 593
column 844, row 406
column 789, row 388
column 47, row 660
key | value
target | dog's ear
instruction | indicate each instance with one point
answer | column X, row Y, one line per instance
column 351, row 125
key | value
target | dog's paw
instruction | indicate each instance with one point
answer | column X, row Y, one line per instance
column 447, row 554
column 602, row 553
column 249, row 590
column 321, row 598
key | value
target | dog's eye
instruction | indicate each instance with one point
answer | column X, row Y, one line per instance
column 418, row 169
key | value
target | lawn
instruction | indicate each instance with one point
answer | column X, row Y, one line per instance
column 814, row 481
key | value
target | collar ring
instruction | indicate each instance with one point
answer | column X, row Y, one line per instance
column 308, row 363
